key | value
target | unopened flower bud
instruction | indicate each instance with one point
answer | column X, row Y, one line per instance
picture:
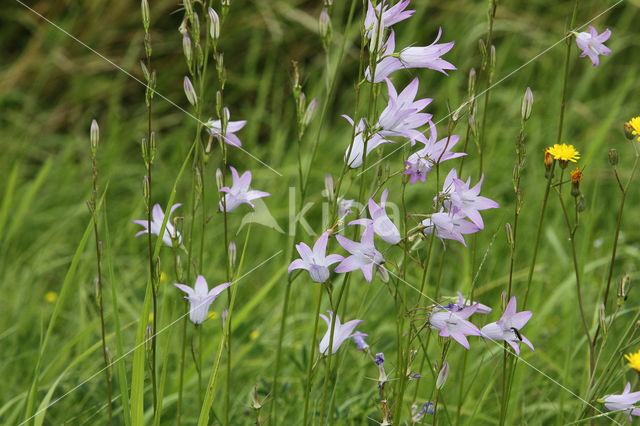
column 472, row 125
column 509, row 231
column 148, row 334
column 144, row 5
column 456, row 114
column 548, row 160
column 324, row 23
column 624, row 287
column 196, row 26
column 628, row 130
column 576, row 177
column 613, row 156
column 96, row 287
column 328, row 187
column 219, row 179
column 472, row 81
column 602, row 318
column 492, row 59
column 442, row 376
column 582, row 205
column 224, row 315
column 152, row 147
column 255, row 404
column 214, row 25
column 232, row 253
column 145, row 71
column 186, row 48
column 145, row 189
column 190, row 92
column 218, row 101
column 94, row 136
column 384, row 274
column 527, row 104
column 310, row 112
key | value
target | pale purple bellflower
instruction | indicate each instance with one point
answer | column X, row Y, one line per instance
column 402, row 115
column 453, row 323
column 364, row 255
column 375, row 22
column 508, row 328
column 464, row 302
column 357, row 150
column 422, row 161
column 156, row 223
column 239, row 192
column 449, row 226
column 592, row 44
column 341, row 333
column 382, row 225
column 358, row 339
column 201, row 298
column 625, row 400
column 316, row 262
column 214, row 127
column 410, row 57
column 458, row 195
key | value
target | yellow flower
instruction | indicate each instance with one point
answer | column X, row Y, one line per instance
column 151, row 317
column 633, row 127
column 163, row 277
column 212, row 315
column 254, row 335
column 51, row 296
column 564, row 152
column 634, row 360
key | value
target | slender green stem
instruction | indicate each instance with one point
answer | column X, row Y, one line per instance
column 311, row 355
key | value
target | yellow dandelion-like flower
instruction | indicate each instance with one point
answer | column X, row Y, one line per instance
column 51, row 296
column 212, row 315
column 633, row 127
column 254, row 335
column 564, row 152
column 634, row 360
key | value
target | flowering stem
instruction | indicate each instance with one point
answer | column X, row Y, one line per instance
column 312, row 352
column 489, row 65
column 576, row 267
column 92, row 205
column 538, row 234
column 566, row 73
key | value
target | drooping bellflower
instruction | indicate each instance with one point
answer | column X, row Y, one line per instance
column 156, row 223
column 402, row 115
column 422, row 161
column 453, row 323
column 341, row 333
column 623, row 401
column 375, row 21
column 592, row 44
column 467, row 201
column 410, row 57
column 382, row 225
column 239, row 192
column 364, row 255
column 508, row 327
column 201, row 298
column 316, row 262
column 356, row 156
column 449, row 226
column 214, row 127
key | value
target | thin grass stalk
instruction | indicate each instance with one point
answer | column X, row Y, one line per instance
column 92, row 208
column 311, row 362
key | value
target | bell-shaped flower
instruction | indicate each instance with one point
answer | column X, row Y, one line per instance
column 201, row 298
column 344, row 207
column 239, row 192
column 341, row 333
column 592, row 44
column 355, row 157
column 214, row 127
column 316, row 262
column 375, row 22
column 625, row 401
column 449, row 226
column 453, row 323
column 402, row 115
column 508, row 328
column 364, row 255
column 358, row 339
column 382, row 225
column 464, row 302
column 458, row 195
column 410, row 57
column 156, row 223
column 422, row 161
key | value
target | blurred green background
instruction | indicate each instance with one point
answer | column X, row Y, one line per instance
column 51, row 87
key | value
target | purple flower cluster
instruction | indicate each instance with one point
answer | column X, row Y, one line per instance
column 452, row 321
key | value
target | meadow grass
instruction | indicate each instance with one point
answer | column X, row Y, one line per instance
column 51, row 88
